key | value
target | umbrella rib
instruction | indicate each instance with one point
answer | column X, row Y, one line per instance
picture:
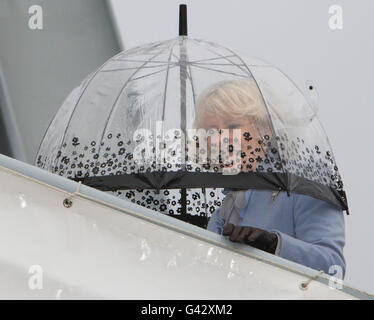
column 175, row 56
column 80, row 96
column 198, row 61
column 131, row 60
column 150, row 74
column 166, row 81
column 233, row 53
column 216, row 70
column 215, row 64
column 134, row 68
column 120, row 93
column 191, row 81
column 194, row 103
column 210, row 59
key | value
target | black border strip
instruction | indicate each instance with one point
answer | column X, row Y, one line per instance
column 243, row 180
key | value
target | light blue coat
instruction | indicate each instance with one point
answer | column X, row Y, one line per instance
column 310, row 231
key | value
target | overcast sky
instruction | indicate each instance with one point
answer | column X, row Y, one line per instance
column 295, row 36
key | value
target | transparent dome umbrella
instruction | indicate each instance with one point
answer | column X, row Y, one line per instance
column 169, row 124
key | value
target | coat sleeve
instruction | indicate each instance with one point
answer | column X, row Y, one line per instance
column 216, row 223
column 319, row 236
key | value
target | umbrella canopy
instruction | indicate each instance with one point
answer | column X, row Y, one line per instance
column 169, row 124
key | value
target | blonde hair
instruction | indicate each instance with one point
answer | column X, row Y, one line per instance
column 232, row 98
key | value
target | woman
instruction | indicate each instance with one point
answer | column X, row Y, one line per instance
column 293, row 226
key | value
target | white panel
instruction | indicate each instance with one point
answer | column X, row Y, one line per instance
column 93, row 251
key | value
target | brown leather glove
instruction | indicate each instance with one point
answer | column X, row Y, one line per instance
column 255, row 237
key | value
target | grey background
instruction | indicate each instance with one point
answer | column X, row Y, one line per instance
column 295, row 36
column 38, row 68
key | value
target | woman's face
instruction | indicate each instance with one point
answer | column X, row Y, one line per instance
column 250, row 143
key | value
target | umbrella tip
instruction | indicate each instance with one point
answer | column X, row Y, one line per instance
column 183, row 20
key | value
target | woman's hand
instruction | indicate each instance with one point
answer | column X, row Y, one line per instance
column 255, row 237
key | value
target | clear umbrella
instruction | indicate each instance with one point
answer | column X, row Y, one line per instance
column 169, row 124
